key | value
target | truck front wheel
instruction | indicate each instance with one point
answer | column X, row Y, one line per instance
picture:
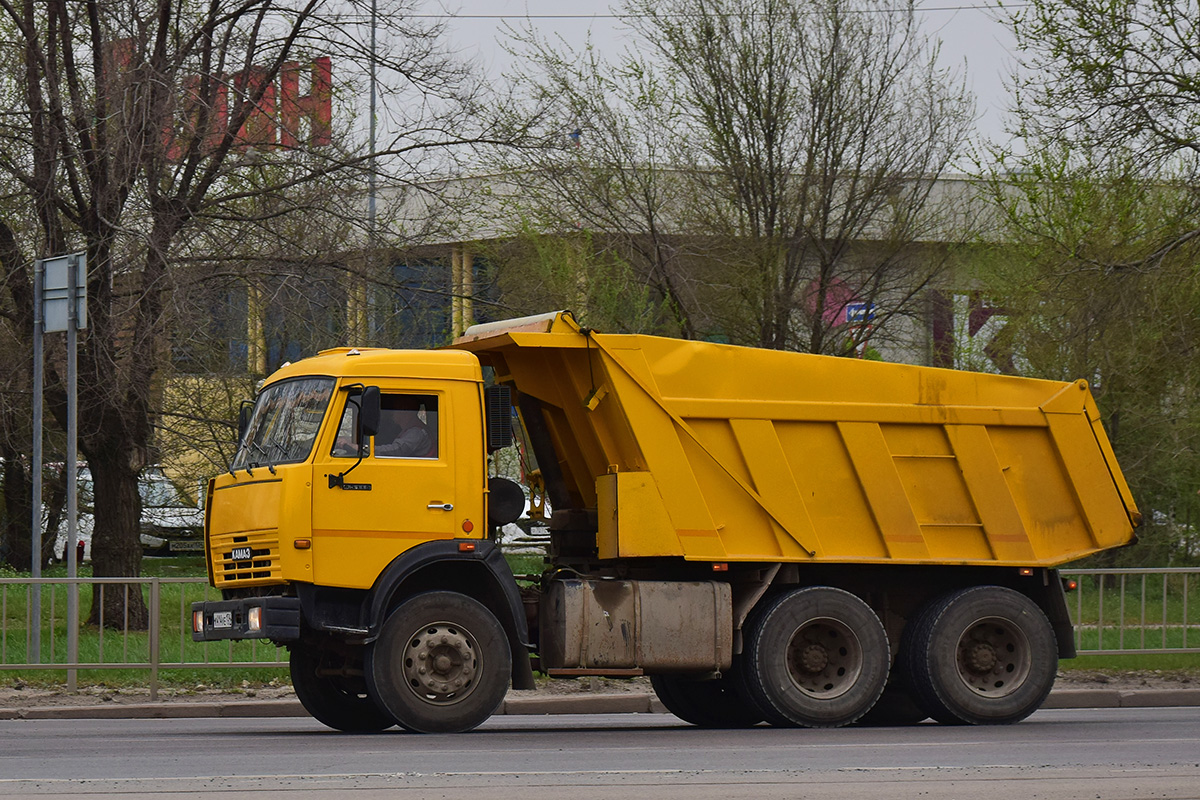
column 332, row 696
column 441, row 663
column 816, row 657
column 984, row 656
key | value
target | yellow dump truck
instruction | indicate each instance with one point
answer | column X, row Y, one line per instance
column 770, row 536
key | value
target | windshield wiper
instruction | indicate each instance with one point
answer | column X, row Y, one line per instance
column 264, row 454
column 270, row 461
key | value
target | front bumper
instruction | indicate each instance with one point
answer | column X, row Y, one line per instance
column 274, row 618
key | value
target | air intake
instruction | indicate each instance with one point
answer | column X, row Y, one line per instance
column 498, row 412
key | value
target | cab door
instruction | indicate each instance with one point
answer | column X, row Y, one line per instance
column 398, row 496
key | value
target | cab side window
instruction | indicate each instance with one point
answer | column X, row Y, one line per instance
column 408, row 426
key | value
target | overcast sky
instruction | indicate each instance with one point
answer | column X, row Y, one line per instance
column 970, row 36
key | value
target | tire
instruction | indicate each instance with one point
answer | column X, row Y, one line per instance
column 341, row 702
column 983, row 656
column 441, row 664
column 815, row 657
column 706, row 703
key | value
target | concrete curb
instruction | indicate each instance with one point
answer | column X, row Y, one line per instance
column 1117, row 698
column 626, row 703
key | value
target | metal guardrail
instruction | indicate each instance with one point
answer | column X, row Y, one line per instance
column 165, row 644
column 1115, row 611
column 1121, row 611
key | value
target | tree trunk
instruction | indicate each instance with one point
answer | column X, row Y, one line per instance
column 54, row 510
column 116, row 545
column 18, row 511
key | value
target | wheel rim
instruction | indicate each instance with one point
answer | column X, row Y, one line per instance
column 993, row 657
column 441, row 663
column 824, row 658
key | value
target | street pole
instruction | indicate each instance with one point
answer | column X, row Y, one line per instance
column 34, row 656
column 62, row 274
column 371, row 179
column 72, row 468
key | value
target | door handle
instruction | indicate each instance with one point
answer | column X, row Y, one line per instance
column 440, row 506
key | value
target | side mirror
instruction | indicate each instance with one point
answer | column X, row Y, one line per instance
column 368, row 412
column 244, row 412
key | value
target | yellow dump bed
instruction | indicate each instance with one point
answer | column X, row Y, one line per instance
column 723, row 453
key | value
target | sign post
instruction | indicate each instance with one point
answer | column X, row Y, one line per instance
column 34, row 656
column 60, row 304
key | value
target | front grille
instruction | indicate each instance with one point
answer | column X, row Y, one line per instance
column 245, row 559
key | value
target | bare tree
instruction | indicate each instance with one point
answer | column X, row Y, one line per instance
column 1113, row 75
column 775, row 158
column 251, row 291
column 602, row 182
column 130, row 125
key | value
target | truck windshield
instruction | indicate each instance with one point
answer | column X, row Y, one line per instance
column 285, row 422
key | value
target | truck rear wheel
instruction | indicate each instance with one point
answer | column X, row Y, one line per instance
column 706, row 703
column 984, row 656
column 339, row 701
column 815, row 657
column 441, row 663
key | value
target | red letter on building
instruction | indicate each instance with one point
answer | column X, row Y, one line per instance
column 316, row 106
column 184, row 129
column 259, row 129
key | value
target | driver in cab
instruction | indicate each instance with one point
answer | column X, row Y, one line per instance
column 403, row 434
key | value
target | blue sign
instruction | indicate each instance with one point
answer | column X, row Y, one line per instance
column 859, row 313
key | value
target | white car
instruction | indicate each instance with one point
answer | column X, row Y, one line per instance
column 169, row 523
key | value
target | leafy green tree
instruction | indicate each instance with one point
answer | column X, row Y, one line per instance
column 1099, row 209
column 1090, row 292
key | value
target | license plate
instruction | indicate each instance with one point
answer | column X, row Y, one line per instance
column 240, row 554
column 184, row 547
column 222, row 619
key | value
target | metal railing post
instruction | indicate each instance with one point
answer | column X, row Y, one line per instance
column 1142, row 618
column 154, row 620
column 1164, row 614
column 1079, row 616
column 72, row 628
column 1121, row 624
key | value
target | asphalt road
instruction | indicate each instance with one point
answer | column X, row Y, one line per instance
column 1061, row 754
